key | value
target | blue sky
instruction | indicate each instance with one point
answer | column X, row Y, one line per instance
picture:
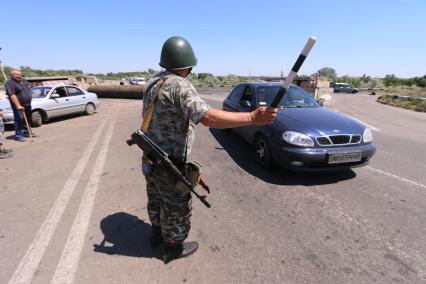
column 229, row 37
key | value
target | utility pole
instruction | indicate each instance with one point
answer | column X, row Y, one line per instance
column 2, row 70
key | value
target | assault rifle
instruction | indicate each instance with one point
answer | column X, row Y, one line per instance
column 161, row 158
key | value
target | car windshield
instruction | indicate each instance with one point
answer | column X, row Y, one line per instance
column 294, row 97
column 40, row 92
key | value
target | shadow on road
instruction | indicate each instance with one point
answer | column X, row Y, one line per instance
column 11, row 128
column 241, row 152
column 125, row 234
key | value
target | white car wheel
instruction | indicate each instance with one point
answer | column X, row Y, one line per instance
column 90, row 109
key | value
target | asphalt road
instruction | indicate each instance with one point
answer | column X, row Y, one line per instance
column 73, row 207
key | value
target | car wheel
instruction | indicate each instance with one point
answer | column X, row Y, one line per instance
column 36, row 119
column 262, row 151
column 90, row 109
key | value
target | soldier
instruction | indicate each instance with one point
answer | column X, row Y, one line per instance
column 177, row 109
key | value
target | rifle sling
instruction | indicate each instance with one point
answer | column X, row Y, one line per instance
column 148, row 115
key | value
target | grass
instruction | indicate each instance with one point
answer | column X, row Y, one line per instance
column 414, row 92
column 414, row 103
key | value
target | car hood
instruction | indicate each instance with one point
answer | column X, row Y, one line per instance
column 318, row 121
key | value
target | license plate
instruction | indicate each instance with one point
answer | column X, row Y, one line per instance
column 344, row 158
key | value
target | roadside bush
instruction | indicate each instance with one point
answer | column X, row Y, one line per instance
column 416, row 104
column 421, row 106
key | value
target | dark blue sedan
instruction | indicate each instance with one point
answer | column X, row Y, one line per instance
column 305, row 136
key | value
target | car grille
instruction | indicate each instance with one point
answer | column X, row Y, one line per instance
column 345, row 139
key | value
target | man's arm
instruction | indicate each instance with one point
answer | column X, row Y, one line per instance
column 16, row 102
column 217, row 118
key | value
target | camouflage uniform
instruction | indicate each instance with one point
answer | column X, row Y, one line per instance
column 177, row 109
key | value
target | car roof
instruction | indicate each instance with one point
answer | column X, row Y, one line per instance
column 257, row 84
column 56, row 85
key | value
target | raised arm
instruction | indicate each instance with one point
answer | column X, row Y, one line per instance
column 217, row 118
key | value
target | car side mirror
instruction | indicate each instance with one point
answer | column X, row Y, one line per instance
column 54, row 96
column 321, row 102
column 245, row 103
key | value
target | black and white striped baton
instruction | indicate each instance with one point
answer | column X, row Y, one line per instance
column 290, row 77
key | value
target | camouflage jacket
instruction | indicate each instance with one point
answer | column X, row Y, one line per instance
column 177, row 104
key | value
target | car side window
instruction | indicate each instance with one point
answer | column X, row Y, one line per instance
column 73, row 91
column 237, row 93
column 247, row 94
column 60, row 91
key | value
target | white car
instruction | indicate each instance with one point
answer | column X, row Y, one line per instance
column 6, row 110
column 137, row 81
column 49, row 102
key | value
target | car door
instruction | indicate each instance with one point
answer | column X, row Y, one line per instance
column 58, row 103
column 77, row 99
column 246, row 104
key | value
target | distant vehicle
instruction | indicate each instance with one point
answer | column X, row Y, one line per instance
column 49, row 102
column 137, row 81
column 304, row 136
column 345, row 88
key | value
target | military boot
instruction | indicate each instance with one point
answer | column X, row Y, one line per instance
column 174, row 251
column 156, row 237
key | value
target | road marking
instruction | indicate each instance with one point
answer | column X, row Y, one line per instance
column 397, row 177
column 68, row 263
column 31, row 260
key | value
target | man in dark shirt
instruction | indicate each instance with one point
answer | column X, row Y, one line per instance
column 19, row 94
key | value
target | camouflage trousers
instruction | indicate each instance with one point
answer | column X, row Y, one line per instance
column 169, row 205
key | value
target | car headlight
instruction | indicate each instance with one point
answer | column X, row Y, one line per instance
column 298, row 139
column 367, row 137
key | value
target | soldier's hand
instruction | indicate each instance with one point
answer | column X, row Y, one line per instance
column 21, row 108
column 263, row 115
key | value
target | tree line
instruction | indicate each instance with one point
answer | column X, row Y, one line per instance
column 209, row 79
column 365, row 81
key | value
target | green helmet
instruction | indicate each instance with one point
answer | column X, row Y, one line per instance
column 177, row 53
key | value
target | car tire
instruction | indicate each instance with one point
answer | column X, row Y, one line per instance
column 90, row 109
column 262, row 152
column 36, row 119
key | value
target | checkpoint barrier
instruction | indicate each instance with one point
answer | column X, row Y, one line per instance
column 134, row 92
